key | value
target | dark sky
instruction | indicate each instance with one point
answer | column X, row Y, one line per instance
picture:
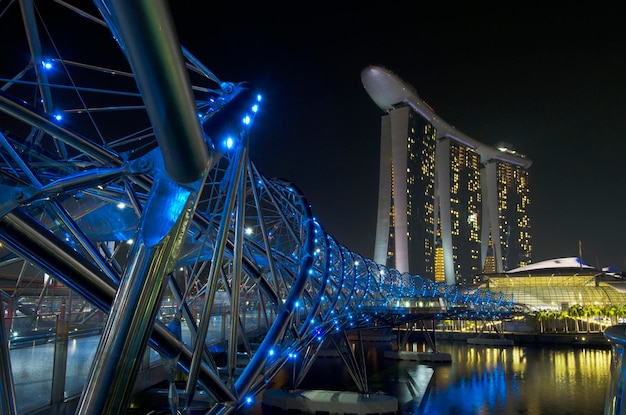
column 550, row 82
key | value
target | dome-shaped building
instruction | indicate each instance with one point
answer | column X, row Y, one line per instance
column 558, row 284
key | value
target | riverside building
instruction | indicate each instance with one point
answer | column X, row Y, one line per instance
column 450, row 208
column 558, row 284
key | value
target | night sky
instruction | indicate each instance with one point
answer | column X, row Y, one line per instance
column 551, row 83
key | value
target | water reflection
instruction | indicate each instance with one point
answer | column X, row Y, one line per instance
column 483, row 380
column 518, row 380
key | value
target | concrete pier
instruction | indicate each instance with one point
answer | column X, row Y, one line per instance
column 330, row 402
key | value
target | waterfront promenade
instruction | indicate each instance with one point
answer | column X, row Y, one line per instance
column 594, row 340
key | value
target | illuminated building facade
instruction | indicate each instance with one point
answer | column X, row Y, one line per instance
column 513, row 220
column 449, row 206
column 406, row 204
column 558, row 284
column 462, row 177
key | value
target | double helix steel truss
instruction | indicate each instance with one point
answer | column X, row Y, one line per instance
column 125, row 179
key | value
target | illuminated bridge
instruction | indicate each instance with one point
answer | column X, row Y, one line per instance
column 131, row 211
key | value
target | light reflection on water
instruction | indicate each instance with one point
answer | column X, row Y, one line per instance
column 530, row 380
column 520, row 380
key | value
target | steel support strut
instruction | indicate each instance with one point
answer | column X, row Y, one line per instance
column 125, row 338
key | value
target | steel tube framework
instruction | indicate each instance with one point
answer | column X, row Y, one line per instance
column 138, row 196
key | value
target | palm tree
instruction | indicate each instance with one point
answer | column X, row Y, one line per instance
column 611, row 312
column 597, row 311
column 553, row 315
column 587, row 313
column 541, row 315
column 621, row 312
column 576, row 312
column 564, row 316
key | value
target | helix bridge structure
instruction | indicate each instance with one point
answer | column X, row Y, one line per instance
column 128, row 198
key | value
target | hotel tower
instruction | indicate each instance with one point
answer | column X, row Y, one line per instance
column 450, row 207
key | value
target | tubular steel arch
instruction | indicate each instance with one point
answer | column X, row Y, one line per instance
column 127, row 188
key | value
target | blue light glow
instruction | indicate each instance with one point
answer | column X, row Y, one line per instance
column 230, row 142
column 58, row 117
column 247, row 120
column 248, row 400
column 46, row 64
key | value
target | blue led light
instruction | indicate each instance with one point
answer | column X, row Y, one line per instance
column 248, row 400
column 47, row 65
column 58, row 117
column 223, row 123
column 271, row 352
column 230, row 142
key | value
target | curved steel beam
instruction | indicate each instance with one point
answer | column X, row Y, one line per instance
column 147, row 33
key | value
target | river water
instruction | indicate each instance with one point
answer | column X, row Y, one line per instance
column 529, row 380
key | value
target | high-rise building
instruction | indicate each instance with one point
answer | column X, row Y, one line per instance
column 446, row 201
column 513, row 230
column 405, row 238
